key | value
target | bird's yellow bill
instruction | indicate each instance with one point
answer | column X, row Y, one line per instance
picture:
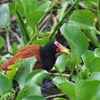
column 65, row 51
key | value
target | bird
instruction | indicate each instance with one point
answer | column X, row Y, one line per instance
column 45, row 55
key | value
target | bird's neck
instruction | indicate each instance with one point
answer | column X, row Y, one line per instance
column 47, row 57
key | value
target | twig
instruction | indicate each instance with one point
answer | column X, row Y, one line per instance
column 44, row 21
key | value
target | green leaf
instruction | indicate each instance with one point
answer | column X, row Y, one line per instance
column 71, row 61
column 16, row 5
column 76, row 39
column 20, row 9
column 82, row 18
column 86, row 89
column 34, row 97
column 87, row 57
column 66, row 86
column 12, row 6
column 96, row 64
column 1, row 41
column 14, row 48
column 29, row 89
column 98, row 93
column 13, row 68
column 4, row 15
column 90, row 4
column 24, row 70
column 43, row 5
column 60, row 63
column 33, row 18
column 97, row 52
column 29, row 5
column 5, row 84
column 36, row 76
column 95, row 76
column 41, row 41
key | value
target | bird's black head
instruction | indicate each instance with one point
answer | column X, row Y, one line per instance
column 55, row 47
column 51, row 47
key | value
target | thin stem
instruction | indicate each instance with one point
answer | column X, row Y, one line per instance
column 71, row 73
column 96, row 31
column 98, row 12
column 60, row 22
column 56, row 95
column 11, row 95
column 77, row 70
column 15, row 34
column 57, row 74
column 52, row 5
column 36, row 31
column 59, row 71
column 8, row 40
column 22, row 27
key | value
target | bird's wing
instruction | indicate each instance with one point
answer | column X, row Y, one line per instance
column 25, row 52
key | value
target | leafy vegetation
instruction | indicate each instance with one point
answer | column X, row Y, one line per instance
column 78, row 22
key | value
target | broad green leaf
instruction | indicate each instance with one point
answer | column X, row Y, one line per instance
column 71, row 61
column 97, row 52
column 36, row 76
column 87, row 57
column 2, row 72
column 13, row 68
column 91, row 4
column 5, row 84
column 4, row 15
column 14, row 48
column 82, row 18
column 12, row 6
column 98, row 93
column 25, row 68
column 16, row 5
column 61, row 62
column 76, row 39
column 41, row 41
column 96, row 64
column 86, row 89
column 29, row 5
column 66, row 86
column 20, row 8
column 34, row 97
column 43, row 5
column 28, row 90
column 33, row 18
column 95, row 76
column 1, row 41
